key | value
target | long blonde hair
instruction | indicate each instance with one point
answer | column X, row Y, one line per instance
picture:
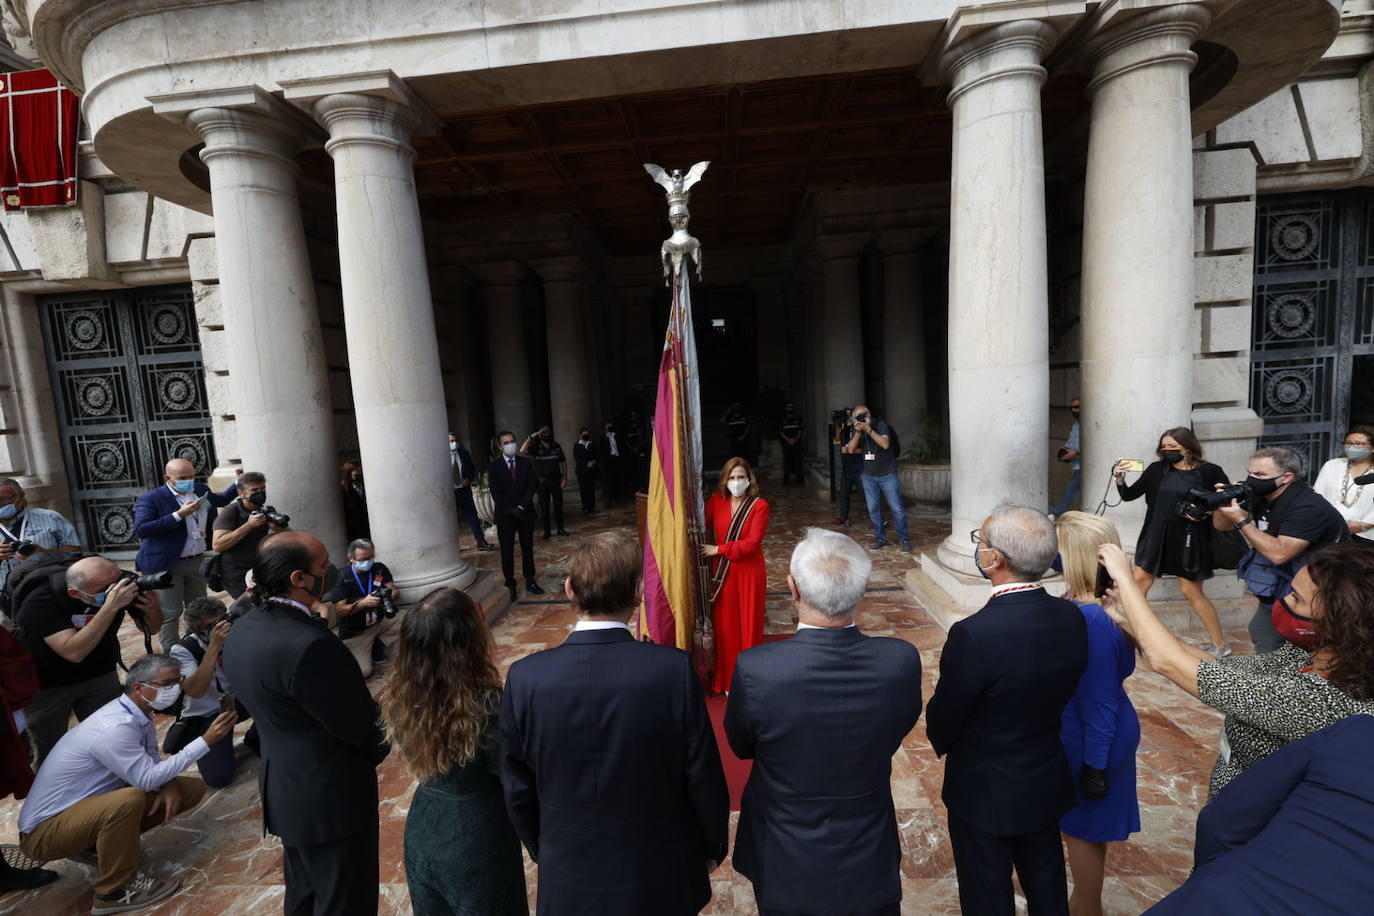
column 444, row 685
column 1080, row 535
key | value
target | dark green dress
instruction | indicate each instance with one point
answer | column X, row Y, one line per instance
column 461, row 853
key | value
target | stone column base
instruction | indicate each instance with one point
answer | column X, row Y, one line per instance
column 488, row 591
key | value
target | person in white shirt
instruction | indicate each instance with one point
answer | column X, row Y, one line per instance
column 105, row 783
column 1336, row 484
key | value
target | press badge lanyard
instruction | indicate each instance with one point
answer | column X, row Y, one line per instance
column 23, row 530
column 371, row 615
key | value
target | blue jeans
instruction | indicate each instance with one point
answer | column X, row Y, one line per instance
column 1070, row 498
column 891, row 489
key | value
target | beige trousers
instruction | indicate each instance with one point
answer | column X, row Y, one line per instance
column 387, row 629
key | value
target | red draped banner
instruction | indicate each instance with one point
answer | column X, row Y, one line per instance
column 39, row 121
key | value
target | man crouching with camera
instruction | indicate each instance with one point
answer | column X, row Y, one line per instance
column 365, row 603
column 68, row 618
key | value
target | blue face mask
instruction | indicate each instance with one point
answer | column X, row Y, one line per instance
column 981, row 570
column 362, row 565
column 97, row 600
column 183, row 486
column 8, row 512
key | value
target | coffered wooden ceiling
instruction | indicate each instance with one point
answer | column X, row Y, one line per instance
column 768, row 143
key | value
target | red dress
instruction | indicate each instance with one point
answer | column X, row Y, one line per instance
column 738, row 613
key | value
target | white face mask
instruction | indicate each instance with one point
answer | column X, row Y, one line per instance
column 453, row 446
column 166, row 696
column 737, row 488
column 509, row 449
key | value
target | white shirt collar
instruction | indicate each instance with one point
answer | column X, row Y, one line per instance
column 1014, row 587
column 600, row 625
column 295, row 604
column 811, row 626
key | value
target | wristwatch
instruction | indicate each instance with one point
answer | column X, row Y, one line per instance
column 1243, row 522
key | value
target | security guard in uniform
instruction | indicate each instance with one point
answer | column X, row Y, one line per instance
column 550, row 475
column 790, row 434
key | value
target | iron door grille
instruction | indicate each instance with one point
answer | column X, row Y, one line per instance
column 130, row 390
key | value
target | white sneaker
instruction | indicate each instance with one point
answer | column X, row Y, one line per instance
column 1216, row 651
column 142, row 891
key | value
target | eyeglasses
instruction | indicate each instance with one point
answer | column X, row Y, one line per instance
column 167, row 683
column 979, row 542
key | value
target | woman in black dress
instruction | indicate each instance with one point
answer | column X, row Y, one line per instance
column 1169, row 544
column 356, row 523
column 440, row 708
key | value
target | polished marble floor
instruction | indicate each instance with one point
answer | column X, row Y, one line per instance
column 231, row 869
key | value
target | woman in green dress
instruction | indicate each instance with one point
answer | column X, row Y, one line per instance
column 440, row 708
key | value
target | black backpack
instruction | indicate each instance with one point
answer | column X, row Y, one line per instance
column 178, row 733
column 29, row 574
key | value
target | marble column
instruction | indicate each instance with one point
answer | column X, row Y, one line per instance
column 841, row 322
column 568, row 394
column 398, row 391
column 770, row 323
column 512, row 406
column 998, row 279
column 642, row 351
column 1138, row 337
column 904, row 345
column 276, row 355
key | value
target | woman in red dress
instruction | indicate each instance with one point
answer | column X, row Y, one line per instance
column 737, row 518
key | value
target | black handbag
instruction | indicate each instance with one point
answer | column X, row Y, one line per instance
column 213, row 572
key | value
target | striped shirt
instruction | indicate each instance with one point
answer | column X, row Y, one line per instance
column 46, row 528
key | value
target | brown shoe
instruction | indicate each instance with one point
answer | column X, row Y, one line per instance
column 143, row 891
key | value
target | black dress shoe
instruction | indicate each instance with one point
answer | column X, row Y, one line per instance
column 484, row 546
column 514, row 595
column 533, row 588
column 547, row 535
column 562, row 533
column 25, row 879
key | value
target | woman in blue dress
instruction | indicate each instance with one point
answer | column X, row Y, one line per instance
column 1099, row 728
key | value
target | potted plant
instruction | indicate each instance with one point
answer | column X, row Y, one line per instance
column 924, row 467
column 481, row 497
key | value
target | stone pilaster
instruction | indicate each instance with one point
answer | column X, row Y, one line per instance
column 512, row 407
column 568, row 393
column 904, row 345
column 842, row 346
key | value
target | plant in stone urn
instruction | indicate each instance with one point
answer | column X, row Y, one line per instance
column 924, row 467
column 486, row 506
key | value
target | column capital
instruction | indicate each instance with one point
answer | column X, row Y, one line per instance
column 244, row 120
column 840, row 247
column 907, row 240
column 499, row 273
column 559, row 270
column 1010, row 49
column 1125, row 41
column 392, row 113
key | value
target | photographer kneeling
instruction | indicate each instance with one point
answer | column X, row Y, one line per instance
column 67, row 614
column 1289, row 519
column 365, row 603
column 206, row 691
column 241, row 526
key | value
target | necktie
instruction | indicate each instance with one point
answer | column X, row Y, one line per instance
column 511, row 464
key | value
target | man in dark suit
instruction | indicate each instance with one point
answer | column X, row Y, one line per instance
column 1006, row 674
column 821, row 715
column 511, row 479
column 608, row 759
column 611, row 451
column 463, row 469
column 172, row 524
column 584, row 459
column 321, row 741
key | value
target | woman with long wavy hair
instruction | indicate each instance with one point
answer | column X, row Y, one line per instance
column 1323, row 671
column 440, row 708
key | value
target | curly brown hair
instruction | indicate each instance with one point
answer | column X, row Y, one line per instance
column 1343, row 576
column 444, row 686
column 346, row 472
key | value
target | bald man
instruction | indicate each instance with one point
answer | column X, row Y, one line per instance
column 69, row 621
column 171, row 523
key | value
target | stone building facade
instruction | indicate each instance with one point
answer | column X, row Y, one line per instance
column 306, row 232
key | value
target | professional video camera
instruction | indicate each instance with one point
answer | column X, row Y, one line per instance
column 275, row 518
column 388, row 605
column 1200, row 503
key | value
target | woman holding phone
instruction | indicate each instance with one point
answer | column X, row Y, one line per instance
column 1169, row 544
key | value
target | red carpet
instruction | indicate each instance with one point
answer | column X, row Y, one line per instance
column 736, row 770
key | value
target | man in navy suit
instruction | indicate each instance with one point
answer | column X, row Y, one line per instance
column 1006, row 674
column 821, row 715
column 464, row 470
column 171, row 524
column 609, row 763
column 511, row 479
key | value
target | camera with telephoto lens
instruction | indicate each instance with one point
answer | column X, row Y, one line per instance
column 23, row 548
column 276, row 518
column 150, row 581
column 388, row 605
column 1200, row 503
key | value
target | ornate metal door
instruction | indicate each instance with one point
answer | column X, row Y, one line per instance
column 130, row 390
column 1313, row 325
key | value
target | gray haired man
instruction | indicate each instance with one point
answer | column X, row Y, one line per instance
column 826, row 708
column 364, row 603
column 105, row 783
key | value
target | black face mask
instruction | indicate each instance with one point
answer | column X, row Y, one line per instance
column 1262, row 486
column 546, row 438
column 260, row 498
column 1172, row 455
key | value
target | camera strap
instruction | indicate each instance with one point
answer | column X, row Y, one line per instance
column 23, row 529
